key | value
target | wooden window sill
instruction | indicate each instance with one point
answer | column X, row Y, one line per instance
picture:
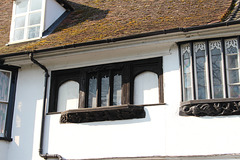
column 6, row 139
column 110, row 113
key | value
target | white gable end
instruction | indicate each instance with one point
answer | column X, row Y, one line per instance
column 53, row 11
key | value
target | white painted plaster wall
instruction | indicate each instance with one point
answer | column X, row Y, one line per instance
column 162, row 133
column 52, row 13
column 4, row 150
column 27, row 115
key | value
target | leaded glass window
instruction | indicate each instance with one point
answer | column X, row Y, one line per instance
column 215, row 69
column 233, row 68
column 216, row 64
column 92, row 92
column 187, row 72
column 105, row 90
column 201, row 70
column 117, row 89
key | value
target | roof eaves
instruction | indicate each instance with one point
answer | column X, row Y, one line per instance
column 230, row 15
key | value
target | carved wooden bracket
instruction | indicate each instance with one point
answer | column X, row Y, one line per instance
column 214, row 107
column 102, row 114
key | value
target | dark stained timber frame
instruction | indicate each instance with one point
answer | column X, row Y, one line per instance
column 102, row 114
column 128, row 70
column 211, row 106
column 11, row 102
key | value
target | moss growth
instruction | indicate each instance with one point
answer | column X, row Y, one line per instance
column 103, row 19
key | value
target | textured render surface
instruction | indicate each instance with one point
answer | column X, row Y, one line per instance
column 103, row 19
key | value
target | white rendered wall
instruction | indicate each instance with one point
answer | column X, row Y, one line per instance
column 194, row 135
column 162, row 133
column 27, row 115
column 52, row 13
column 3, row 150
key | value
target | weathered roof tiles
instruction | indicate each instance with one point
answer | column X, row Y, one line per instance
column 102, row 19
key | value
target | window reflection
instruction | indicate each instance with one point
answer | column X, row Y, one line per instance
column 201, row 74
column 105, row 90
column 92, row 92
column 216, row 65
column 117, row 89
column 187, row 73
column 233, row 61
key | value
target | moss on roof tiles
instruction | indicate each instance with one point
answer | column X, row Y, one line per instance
column 102, row 19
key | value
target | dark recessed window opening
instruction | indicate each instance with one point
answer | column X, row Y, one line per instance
column 8, row 77
column 103, row 85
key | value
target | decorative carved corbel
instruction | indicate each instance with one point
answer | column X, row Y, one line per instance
column 210, row 108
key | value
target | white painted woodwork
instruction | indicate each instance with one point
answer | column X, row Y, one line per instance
column 68, row 96
column 53, row 11
column 146, row 89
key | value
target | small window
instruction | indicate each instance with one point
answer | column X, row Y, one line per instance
column 109, row 85
column 8, row 77
column 211, row 76
column 26, row 20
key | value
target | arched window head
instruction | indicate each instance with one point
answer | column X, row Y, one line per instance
column 146, row 90
column 68, row 96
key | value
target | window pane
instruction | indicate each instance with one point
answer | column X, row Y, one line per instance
column 232, row 56
column 235, row 91
column 21, row 6
column 117, row 89
column 201, row 74
column 146, row 89
column 68, row 96
column 34, row 18
column 233, row 76
column 92, row 92
column 232, row 61
column 33, row 32
column 35, row 5
column 216, row 66
column 187, row 83
column 18, row 34
column 4, row 85
column 105, row 90
column 20, row 22
column 3, row 113
column 231, row 46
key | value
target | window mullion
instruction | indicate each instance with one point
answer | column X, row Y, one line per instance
column 99, row 82
column 111, row 87
column 181, row 69
column 193, row 72
column 208, row 70
column 27, row 21
column 224, row 70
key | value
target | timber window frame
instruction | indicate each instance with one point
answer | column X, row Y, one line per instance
column 128, row 71
column 8, row 101
column 27, row 20
column 210, row 76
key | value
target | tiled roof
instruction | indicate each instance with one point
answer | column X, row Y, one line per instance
column 105, row 19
